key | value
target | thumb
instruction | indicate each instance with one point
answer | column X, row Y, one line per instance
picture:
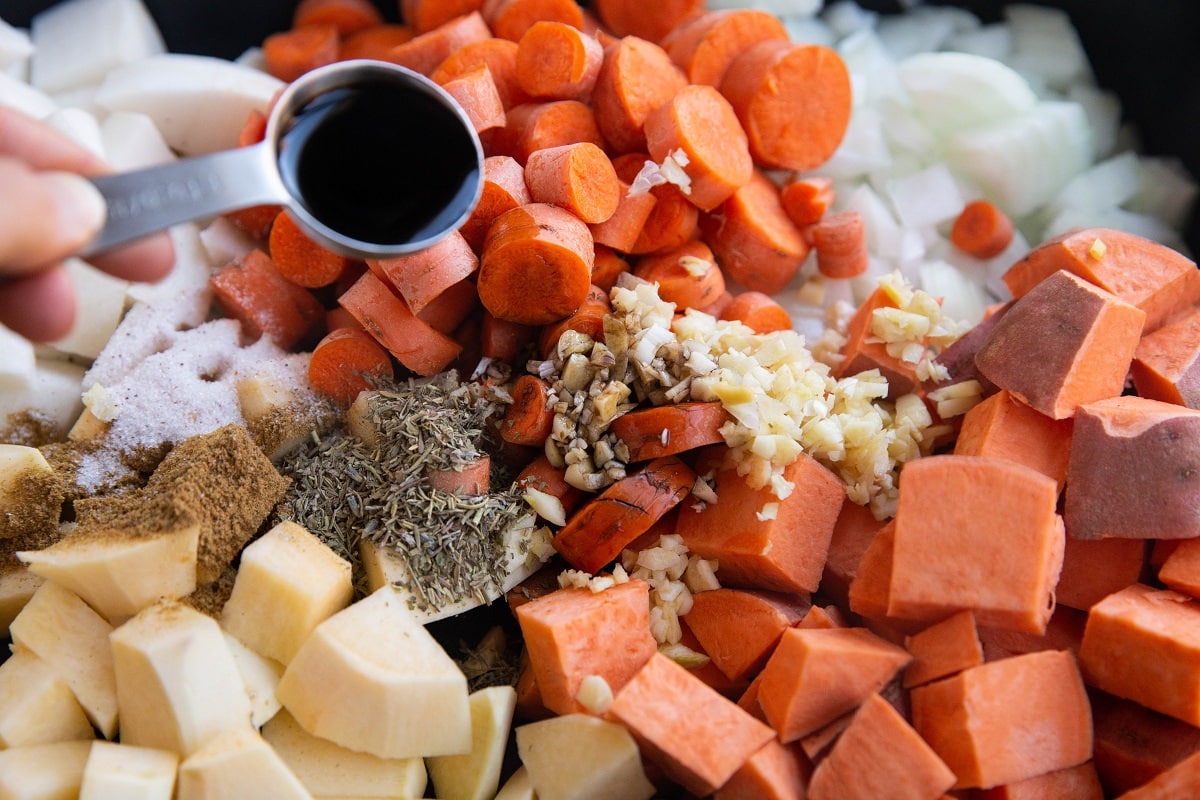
column 48, row 216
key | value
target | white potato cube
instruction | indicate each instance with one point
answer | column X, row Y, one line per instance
column 124, row 772
column 328, row 769
column 517, row 787
column 17, row 365
column 16, row 93
column 102, row 302
column 260, row 675
column 72, row 639
column 371, row 678
column 36, row 705
column 19, row 464
column 237, row 763
column 43, row 770
column 51, row 396
column 177, row 684
column 132, row 141
column 188, row 276
column 476, row 775
column 115, row 31
column 15, row 47
column 17, row 586
column 581, row 757
column 224, row 241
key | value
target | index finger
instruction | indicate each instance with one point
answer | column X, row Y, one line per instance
column 43, row 147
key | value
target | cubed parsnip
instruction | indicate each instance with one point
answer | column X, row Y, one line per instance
column 118, row 31
column 124, row 772
column 17, row 586
column 96, row 319
column 177, row 683
column 581, row 757
column 260, row 675
column 517, row 787
column 328, row 769
column 36, row 705
column 25, row 477
column 87, row 428
column 119, row 572
column 371, row 678
column 238, row 763
column 43, row 771
column 476, row 775
column 72, row 639
column 288, row 582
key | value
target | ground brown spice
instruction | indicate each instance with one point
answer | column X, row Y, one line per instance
column 34, row 504
column 211, row 597
column 29, row 428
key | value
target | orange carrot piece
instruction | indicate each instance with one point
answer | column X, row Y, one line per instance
column 879, row 755
column 1133, row 744
column 540, row 474
column 870, row 589
column 793, row 101
column 650, row 21
column 448, row 311
column 1094, row 569
column 425, row 15
column 1181, row 569
column 503, row 340
column 299, row 258
column 420, row 277
column 557, row 61
column 699, row 121
column 503, row 190
column 776, row 772
column 1151, row 449
column 347, row 16
column 338, row 317
column 254, row 220
column 715, row 308
column 598, row 532
column 784, row 553
column 473, row 479
column 510, row 19
column 476, row 92
column 1080, row 782
column 840, row 240
column 945, row 551
column 815, row 676
column 536, row 264
column 499, row 55
column 530, row 416
column 347, row 361
column 578, row 177
column 1064, row 343
column 687, row 275
column 1007, row 720
column 756, row 244
column 636, row 76
column 981, row 230
column 860, row 353
column 1064, row 631
column 700, row 750
column 374, row 42
column 622, row 230
column 1142, row 272
column 289, row 54
column 853, row 532
column 943, row 649
column 757, row 311
column 588, row 318
column 608, row 267
column 426, row 51
column 540, row 125
column 251, row 290
column 672, row 221
column 560, row 630
column 1001, row 426
column 1166, row 363
column 704, row 46
column 385, row 316
column 738, row 628
column 670, row 429
column 708, row 673
column 806, row 199
column 823, row 617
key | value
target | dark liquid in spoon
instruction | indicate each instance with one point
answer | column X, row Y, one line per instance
column 380, row 163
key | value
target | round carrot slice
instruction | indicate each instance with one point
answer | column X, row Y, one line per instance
column 345, row 362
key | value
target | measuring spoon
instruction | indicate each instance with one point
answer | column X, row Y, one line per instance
column 371, row 159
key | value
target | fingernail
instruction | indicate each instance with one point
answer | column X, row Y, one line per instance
column 79, row 205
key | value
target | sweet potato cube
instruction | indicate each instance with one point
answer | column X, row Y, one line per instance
column 573, row 633
column 1181, row 569
column 1063, row 344
column 880, row 755
column 738, row 628
column 1134, row 471
column 863, row 352
column 853, row 532
column 1004, row 427
column 1134, row 744
column 698, row 738
column 1180, row 780
column 1141, row 625
column 783, row 553
column 1095, row 568
column 814, row 676
column 980, row 534
column 943, row 649
column 776, row 772
column 1007, row 720
column 1166, row 363
column 1076, row 783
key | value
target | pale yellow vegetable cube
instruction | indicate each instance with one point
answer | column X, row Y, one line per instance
column 17, row 586
column 288, row 582
column 581, row 757
column 124, row 772
column 517, row 787
column 476, row 775
column 236, row 764
column 260, row 675
column 24, row 477
column 36, row 705
column 43, row 771
column 371, row 678
column 328, row 769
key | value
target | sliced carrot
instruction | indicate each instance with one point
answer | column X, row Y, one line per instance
column 529, row 418
column 705, row 45
column 670, row 429
column 840, row 240
column 510, row 19
column 588, row 318
column 622, row 230
column 635, row 77
column 503, row 190
column 598, row 532
column 1007, row 720
column 687, row 275
column 425, row 15
column 879, row 755
column 347, row 16
column 338, row 317
column 503, row 340
column 560, row 630
column 1094, row 569
column 702, row 749
column 776, row 772
column 540, row 474
column 1166, row 363
column 578, row 177
column 346, row 362
column 757, row 311
column 756, row 244
column 1133, row 744
column 476, row 92
column 608, row 267
column 672, row 221
column 946, row 550
column 254, row 220
column 299, row 258
column 289, row 54
column 715, row 308
column 499, row 55
column 943, row 649
column 792, row 99
column 473, row 479
column 650, row 21
column 738, row 628
column 806, row 199
column 385, row 316
column 453, row 307
column 374, row 42
column 536, row 264
column 426, row 51
column 558, row 61
column 853, row 532
column 1080, row 782
column 699, row 122
column 420, row 277
column 540, row 125
column 251, row 290
column 981, row 230
column 1001, row 426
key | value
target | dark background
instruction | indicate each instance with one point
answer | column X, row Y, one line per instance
column 1147, row 52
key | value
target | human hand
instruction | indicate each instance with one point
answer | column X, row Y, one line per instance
column 47, row 212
